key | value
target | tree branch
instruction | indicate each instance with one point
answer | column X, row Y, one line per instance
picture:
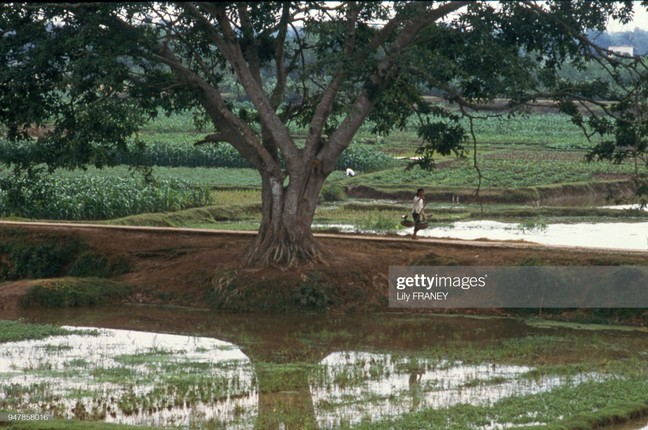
column 233, row 129
column 323, row 108
column 363, row 103
column 212, row 138
column 282, row 73
column 251, row 51
column 269, row 119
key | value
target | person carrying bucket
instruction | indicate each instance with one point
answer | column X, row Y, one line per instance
column 417, row 210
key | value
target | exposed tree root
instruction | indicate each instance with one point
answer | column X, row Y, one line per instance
column 284, row 251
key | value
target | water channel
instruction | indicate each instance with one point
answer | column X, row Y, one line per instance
column 193, row 368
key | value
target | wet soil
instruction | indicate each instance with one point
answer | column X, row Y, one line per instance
column 202, row 268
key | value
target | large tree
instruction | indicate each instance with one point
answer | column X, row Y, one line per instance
column 95, row 72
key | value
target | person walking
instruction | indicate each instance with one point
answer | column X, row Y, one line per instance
column 417, row 210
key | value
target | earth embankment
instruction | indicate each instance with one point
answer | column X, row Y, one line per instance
column 201, row 268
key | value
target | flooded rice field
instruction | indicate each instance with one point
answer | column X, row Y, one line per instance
column 631, row 235
column 393, row 386
column 189, row 368
column 617, row 235
column 614, row 235
column 130, row 377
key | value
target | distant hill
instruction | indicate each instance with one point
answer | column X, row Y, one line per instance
column 637, row 38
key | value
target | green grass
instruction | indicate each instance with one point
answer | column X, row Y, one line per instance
column 553, row 131
column 17, row 330
column 583, row 405
column 497, row 172
column 550, row 130
column 73, row 292
column 58, row 424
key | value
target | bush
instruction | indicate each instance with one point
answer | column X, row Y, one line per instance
column 39, row 259
column 312, row 295
column 92, row 264
column 332, row 192
column 35, row 256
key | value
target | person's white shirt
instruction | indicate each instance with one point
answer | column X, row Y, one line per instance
column 417, row 206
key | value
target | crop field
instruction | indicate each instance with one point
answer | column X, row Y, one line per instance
column 499, row 170
column 523, row 151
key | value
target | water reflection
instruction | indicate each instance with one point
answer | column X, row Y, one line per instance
column 131, row 377
column 360, row 386
column 620, row 235
column 616, row 235
column 265, row 371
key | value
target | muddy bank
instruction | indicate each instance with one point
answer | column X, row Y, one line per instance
column 549, row 195
column 201, row 268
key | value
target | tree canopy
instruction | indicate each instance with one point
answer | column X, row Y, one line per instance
column 94, row 73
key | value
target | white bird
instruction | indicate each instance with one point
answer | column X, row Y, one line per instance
column 350, row 172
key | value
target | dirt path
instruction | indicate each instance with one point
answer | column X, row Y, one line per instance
column 201, row 268
column 483, row 243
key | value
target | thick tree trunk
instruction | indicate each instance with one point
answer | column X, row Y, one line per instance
column 285, row 237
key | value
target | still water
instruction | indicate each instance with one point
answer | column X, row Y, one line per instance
column 618, row 235
column 199, row 369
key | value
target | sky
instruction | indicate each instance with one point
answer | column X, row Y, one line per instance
column 640, row 20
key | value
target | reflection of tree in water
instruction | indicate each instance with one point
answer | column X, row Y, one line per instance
column 284, row 349
column 285, row 400
column 415, row 388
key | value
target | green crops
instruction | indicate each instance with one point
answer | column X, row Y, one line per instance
column 91, row 197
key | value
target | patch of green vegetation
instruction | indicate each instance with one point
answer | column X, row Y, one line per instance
column 36, row 256
column 365, row 158
column 332, row 192
column 208, row 216
column 379, row 221
column 155, row 354
column 512, row 173
column 312, row 294
column 17, row 330
column 275, row 377
column 582, row 406
column 97, row 265
column 90, row 197
column 533, row 225
column 73, row 292
column 117, row 375
column 544, row 323
column 13, row 331
column 58, row 424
